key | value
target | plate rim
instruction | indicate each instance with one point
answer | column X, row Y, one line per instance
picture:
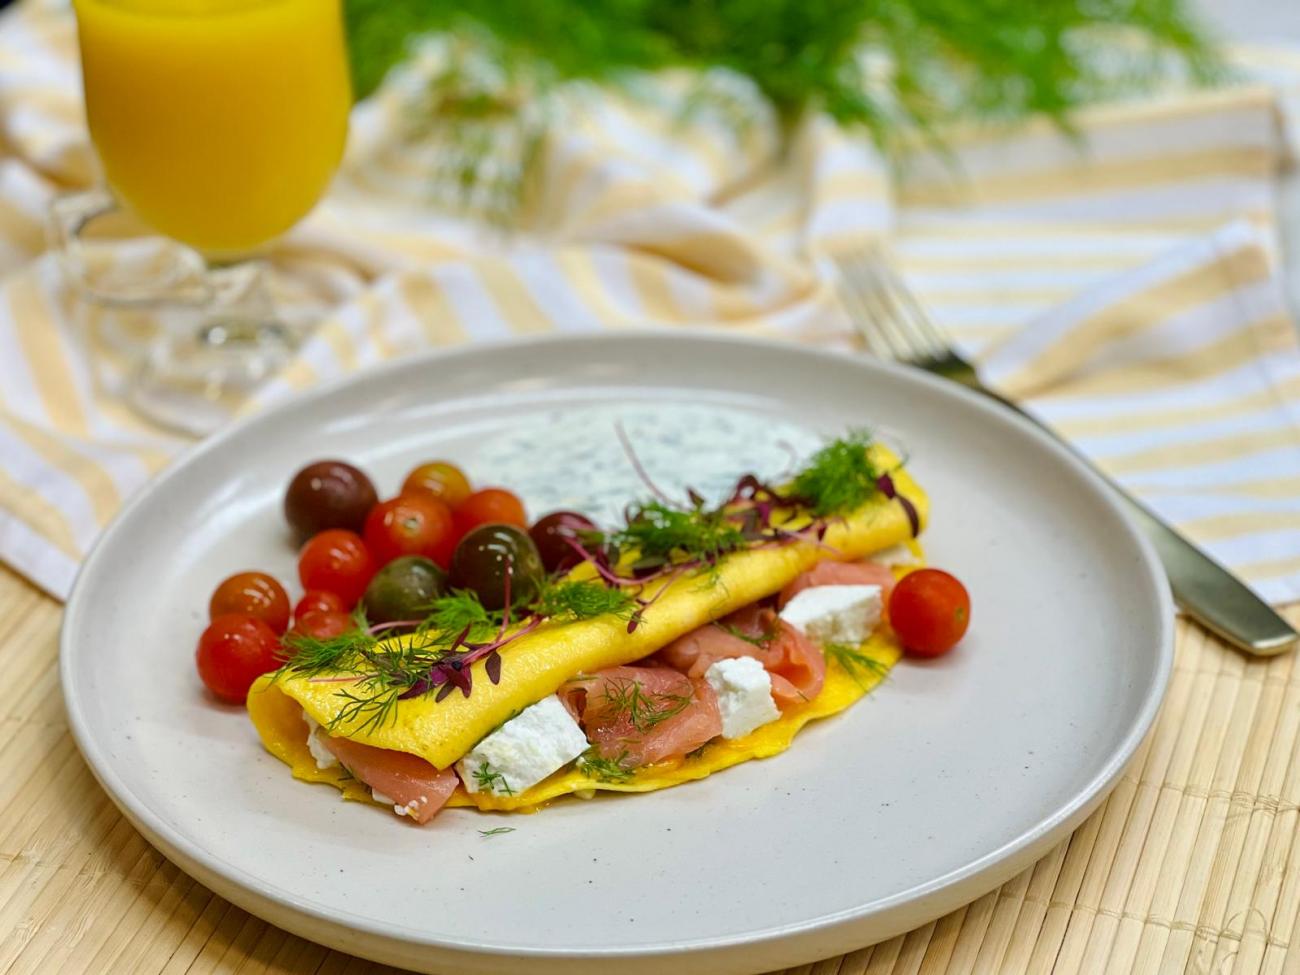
column 252, row 893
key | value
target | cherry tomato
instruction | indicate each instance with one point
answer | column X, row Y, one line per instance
column 444, row 481
column 490, row 506
column 318, row 601
column 929, row 610
column 328, row 494
column 338, row 562
column 414, row 524
column 252, row 594
column 549, row 533
column 323, row 624
column 490, row 553
column 233, row 652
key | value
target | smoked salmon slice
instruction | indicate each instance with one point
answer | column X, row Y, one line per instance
column 408, row 780
column 794, row 662
column 638, row 715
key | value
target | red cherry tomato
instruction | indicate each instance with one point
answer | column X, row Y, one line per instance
column 233, row 652
column 318, row 601
column 414, row 524
column 490, row 506
column 323, row 625
column 929, row 610
column 444, row 481
column 252, row 594
column 336, row 561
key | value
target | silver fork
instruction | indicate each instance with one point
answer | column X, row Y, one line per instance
column 893, row 325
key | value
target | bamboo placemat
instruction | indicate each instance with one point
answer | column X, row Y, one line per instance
column 1192, row 865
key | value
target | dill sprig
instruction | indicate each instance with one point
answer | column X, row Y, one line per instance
column 489, row 779
column 761, row 640
column 897, row 70
column 497, row 831
column 606, row 769
column 854, row 662
column 460, row 611
column 644, row 710
column 583, row 600
column 840, row 477
column 661, row 534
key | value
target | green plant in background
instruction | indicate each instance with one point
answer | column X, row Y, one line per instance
column 895, row 67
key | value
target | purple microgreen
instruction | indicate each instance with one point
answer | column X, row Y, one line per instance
column 637, row 466
column 886, row 485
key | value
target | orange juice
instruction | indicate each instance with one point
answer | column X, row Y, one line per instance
column 219, row 122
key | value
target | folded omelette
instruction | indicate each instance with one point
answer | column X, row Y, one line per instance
column 288, row 708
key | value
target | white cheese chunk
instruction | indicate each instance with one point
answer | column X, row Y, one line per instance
column 899, row 554
column 524, row 750
column 834, row 614
column 744, row 691
column 323, row 756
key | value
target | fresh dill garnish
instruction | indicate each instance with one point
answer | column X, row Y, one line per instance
column 371, row 711
column 854, row 662
column 661, row 534
column 489, row 779
column 497, row 831
column 458, row 612
column 311, row 656
column 644, row 710
column 606, row 769
column 840, row 477
column 762, row 640
column 584, row 600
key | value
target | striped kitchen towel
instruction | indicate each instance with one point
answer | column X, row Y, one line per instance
column 1125, row 286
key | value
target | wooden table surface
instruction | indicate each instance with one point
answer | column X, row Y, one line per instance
column 1192, row 864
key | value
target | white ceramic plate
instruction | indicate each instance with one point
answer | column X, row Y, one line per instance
column 943, row 783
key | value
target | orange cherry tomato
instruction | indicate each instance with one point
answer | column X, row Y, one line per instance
column 929, row 610
column 233, row 652
column 444, row 481
column 252, row 594
column 489, row 506
column 413, row 524
column 318, row 601
column 337, row 561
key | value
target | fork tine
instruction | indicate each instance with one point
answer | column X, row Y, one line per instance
column 893, row 316
column 925, row 336
column 885, row 312
column 863, row 301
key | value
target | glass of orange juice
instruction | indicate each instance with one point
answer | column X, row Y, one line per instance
column 218, row 124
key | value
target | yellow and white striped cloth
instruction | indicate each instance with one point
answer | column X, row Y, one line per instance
column 1125, row 287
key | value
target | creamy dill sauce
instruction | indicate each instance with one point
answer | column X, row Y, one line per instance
column 572, row 458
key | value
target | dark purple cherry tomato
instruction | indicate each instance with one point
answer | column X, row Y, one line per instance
column 487, row 554
column 549, row 534
column 328, row 494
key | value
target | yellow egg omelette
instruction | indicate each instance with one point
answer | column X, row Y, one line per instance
column 288, row 708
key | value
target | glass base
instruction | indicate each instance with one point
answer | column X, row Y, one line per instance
column 203, row 336
column 194, row 384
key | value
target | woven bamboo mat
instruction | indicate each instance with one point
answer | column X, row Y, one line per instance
column 1192, row 865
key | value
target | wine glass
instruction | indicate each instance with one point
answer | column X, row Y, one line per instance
column 218, row 124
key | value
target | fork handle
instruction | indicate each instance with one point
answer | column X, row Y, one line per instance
column 1203, row 588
